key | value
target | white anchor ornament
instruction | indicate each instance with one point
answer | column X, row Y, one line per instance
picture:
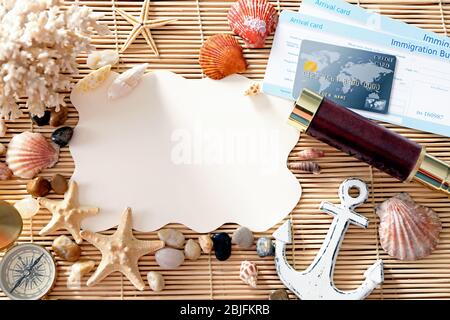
column 316, row 282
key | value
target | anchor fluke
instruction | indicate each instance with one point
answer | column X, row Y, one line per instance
column 284, row 232
column 375, row 273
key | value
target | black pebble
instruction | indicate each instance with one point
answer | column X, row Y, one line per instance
column 42, row 121
column 62, row 136
column 222, row 246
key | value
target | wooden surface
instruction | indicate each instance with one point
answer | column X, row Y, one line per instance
column 208, row 278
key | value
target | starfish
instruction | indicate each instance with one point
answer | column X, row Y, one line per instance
column 120, row 252
column 66, row 214
column 142, row 25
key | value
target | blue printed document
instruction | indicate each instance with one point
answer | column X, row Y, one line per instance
column 421, row 86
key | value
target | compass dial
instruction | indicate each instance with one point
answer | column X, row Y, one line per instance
column 27, row 272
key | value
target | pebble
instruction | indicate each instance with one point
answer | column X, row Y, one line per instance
column 62, row 136
column 156, row 281
column 66, row 249
column 243, row 237
column 27, row 207
column 78, row 270
column 3, row 128
column 279, row 294
column 222, row 246
column 5, row 172
column 265, row 247
column 169, row 258
column 58, row 118
column 39, row 187
column 42, row 121
column 172, row 238
column 59, row 184
column 206, row 243
column 2, row 149
column 192, row 250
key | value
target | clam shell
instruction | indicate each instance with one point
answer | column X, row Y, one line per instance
column 253, row 21
column 125, row 82
column 221, row 56
column 29, row 153
column 98, row 59
column 249, row 273
column 408, row 231
column 94, row 79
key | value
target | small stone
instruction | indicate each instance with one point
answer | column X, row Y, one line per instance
column 156, row 281
column 62, row 136
column 222, row 246
column 58, row 118
column 172, row 238
column 279, row 294
column 66, row 249
column 2, row 149
column 5, row 172
column 42, row 121
column 169, row 258
column 59, row 184
column 192, row 250
column 206, row 243
column 39, row 187
column 78, row 270
column 27, row 207
column 3, row 128
column 243, row 237
column 265, row 247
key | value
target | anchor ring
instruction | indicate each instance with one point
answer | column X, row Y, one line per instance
column 344, row 193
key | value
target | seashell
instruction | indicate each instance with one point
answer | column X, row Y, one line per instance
column 78, row 270
column 172, row 238
column 29, row 153
column 5, row 172
column 98, row 59
column 253, row 21
column 192, row 250
column 408, row 231
column 221, row 56
column 265, row 247
column 3, row 128
column 156, row 281
column 125, row 82
column 94, row 79
column 27, row 207
column 206, row 243
column 253, row 90
column 305, row 166
column 169, row 258
column 279, row 294
column 249, row 273
column 222, row 246
column 243, row 237
column 66, row 249
column 308, row 154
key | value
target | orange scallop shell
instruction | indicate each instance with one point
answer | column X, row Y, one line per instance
column 408, row 231
column 253, row 21
column 221, row 56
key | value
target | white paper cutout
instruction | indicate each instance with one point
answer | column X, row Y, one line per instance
column 196, row 152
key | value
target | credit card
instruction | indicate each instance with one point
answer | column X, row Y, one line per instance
column 354, row 78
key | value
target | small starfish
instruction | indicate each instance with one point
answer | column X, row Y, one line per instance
column 142, row 25
column 66, row 214
column 120, row 252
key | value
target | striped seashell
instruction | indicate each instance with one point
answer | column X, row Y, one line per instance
column 125, row 82
column 29, row 153
column 5, row 172
column 221, row 56
column 94, row 79
column 249, row 273
column 408, row 231
column 308, row 154
column 305, row 166
column 253, row 21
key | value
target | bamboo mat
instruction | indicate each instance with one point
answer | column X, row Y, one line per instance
column 207, row 278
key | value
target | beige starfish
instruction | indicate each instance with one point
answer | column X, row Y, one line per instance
column 142, row 25
column 120, row 252
column 66, row 214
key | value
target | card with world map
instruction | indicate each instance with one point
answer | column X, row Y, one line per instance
column 354, row 78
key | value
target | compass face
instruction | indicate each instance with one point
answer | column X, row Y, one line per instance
column 27, row 272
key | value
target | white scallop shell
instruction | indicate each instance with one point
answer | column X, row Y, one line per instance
column 126, row 81
column 98, row 59
column 249, row 273
column 29, row 153
column 408, row 231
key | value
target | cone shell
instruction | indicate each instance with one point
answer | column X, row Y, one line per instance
column 253, row 21
column 249, row 273
column 221, row 56
column 408, row 231
column 29, row 153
